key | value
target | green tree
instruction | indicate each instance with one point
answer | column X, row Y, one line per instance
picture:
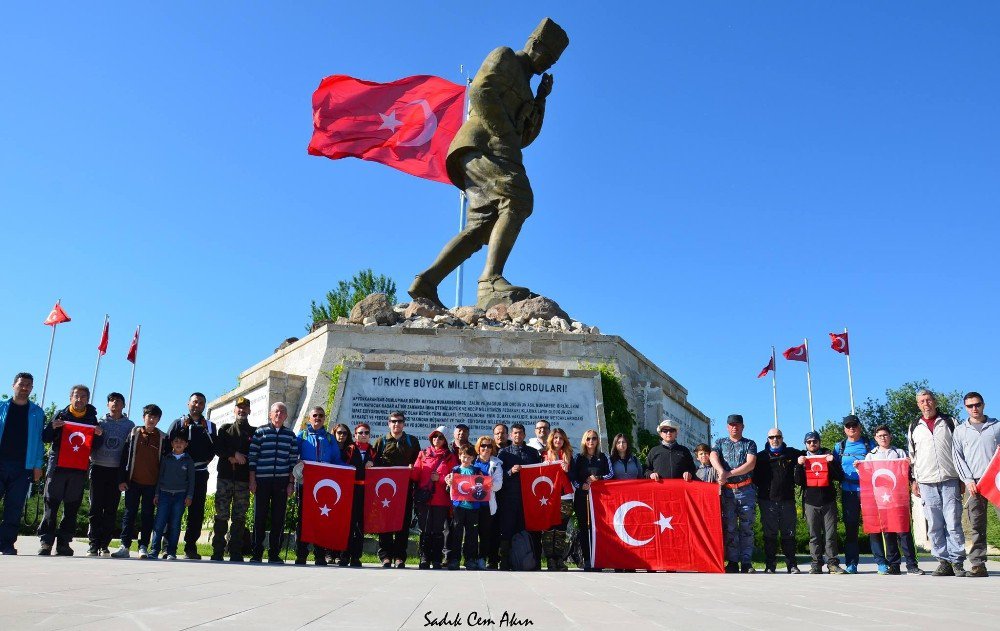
column 341, row 300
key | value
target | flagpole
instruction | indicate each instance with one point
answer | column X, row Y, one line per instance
column 850, row 381
column 809, row 385
column 131, row 385
column 774, row 387
column 48, row 362
column 93, row 390
column 462, row 199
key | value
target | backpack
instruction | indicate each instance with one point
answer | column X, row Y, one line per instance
column 522, row 552
column 948, row 422
column 842, row 445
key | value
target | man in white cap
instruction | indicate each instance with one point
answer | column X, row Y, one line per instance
column 670, row 460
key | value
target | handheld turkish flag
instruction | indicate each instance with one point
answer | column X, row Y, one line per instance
column 768, row 368
column 541, row 488
column 989, row 484
column 102, row 348
column 133, row 348
column 797, row 353
column 817, row 471
column 471, row 488
column 56, row 316
column 406, row 124
column 327, row 498
column 839, row 343
column 385, row 498
column 656, row 525
column 74, row 446
column 885, row 495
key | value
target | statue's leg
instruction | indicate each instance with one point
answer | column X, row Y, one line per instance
column 515, row 203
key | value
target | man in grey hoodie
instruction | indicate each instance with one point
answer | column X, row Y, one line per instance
column 974, row 444
column 105, row 459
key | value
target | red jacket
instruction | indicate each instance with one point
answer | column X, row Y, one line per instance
column 429, row 461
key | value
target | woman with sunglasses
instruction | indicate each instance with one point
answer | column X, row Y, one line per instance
column 558, row 449
column 358, row 454
column 489, row 543
column 590, row 465
column 315, row 445
column 432, row 499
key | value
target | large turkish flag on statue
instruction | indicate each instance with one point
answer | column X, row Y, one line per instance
column 656, row 525
column 885, row 495
column 406, row 124
column 327, row 498
column 542, row 486
column 385, row 498
column 74, row 446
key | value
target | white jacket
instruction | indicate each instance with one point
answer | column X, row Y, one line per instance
column 931, row 454
column 496, row 472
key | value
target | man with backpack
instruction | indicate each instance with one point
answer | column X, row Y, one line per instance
column 936, row 483
column 854, row 447
column 396, row 449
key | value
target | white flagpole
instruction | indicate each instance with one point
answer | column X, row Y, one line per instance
column 774, row 386
column 850, row 381
column 131, row 385
column 809, row 385
column 462, row 199
column 93, row 390
column 48, row 362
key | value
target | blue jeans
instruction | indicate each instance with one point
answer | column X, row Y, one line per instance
column 943, row 511
column 15, row 481
column 138, row 500
column 850, row 510
column 739, row 507
column 169, row 510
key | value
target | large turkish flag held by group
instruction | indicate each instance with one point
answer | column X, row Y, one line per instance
column 327, row 498
column 885, row 495
column 74, row 446
column 385, row 498
column 406, row 124
column 542, row 486
column 656, row 525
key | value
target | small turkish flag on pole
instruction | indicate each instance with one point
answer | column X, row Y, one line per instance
column 133, row 350
column 767, row 369
column 386, row 489
column 102, row 348
column 74, row 446
column 839, row 343
column 989, row 484
column 885, row 495
column 56, row 316
column 406, row 124
column 541, row 489
column 327, row 499
column 797, row 353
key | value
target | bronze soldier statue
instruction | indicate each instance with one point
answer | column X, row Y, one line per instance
column 484, row 160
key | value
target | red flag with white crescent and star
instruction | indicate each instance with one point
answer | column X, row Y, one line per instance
column 796, row 353
column 74, row 446
column 817, row 471
column 541, row 490
column 386, row 489
column 768, row 368
column 885, row 495
column 407, row 124
column 327, row 499
column 839, row 343
column 470, row 488
column 656, row 525
column 989, row 484
column 133, row 348
column 102, row 348
column 56, row 316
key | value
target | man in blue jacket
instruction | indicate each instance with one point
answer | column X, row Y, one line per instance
column 21, row 451
column 315, row 445
column 855, row 446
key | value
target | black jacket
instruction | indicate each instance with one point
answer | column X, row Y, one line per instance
column 819, row 495
column 54, row 434
column 670, row 462
column 201, row 439
column 510, row 456
column 774, row 475
column 228, row 442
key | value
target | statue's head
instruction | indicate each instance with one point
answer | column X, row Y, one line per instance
column 545, row 44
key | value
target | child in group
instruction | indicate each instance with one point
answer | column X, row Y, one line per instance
column 139, row 474
column 466, row 519
column 174, row 492
column 705, row 472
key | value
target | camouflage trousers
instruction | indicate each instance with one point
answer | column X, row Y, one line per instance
column 554, row 541
column 232, row 500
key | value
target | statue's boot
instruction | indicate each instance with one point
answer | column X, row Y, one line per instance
column 462, row 246
column 493, row 287
column 422, row 288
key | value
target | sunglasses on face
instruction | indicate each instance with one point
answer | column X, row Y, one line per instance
column 341, row 433
column 396, row 420
column 973, row 406
column 774, row 437
column 319, row 415
column 362, row 432
column 811, row 441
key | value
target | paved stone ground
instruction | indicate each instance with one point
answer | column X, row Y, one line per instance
column 101, row 593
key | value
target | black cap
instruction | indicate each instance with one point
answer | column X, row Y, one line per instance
column 734, row 419
column 462, row 426
column 851, row 419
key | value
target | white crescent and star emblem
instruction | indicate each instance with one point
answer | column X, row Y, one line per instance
column 464, row 491
column 885, row 497
column 324, row 509
column 839, row 343
column 544, row 500
column 378, row 485
column 618, row 521
column 427, row 129
column 799, row 352
column 83, row 440
column 817, row 468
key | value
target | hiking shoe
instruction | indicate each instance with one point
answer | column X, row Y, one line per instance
column 943, row 569
column 236, row 559
column 121, row 553
column 321, row 561
column 45, row 550
column 769, row 569
column 852, row 568
column 355, row 563
column 958, row 569
column 836, row 569
column 105, row 552
column 171, row 557
column 747, row 568
column 978, row 571
column 883, row 568
column 423, row 565
column 401, row 564
column 93, row 552
column 386, row 563
column 817, row 569
column 278, row 561
column 343, row 562
column 794, row 569
column 256, row 559
column 143, row 552
column 217, row 556
column 915, row 571
column 9, row 551
column 64, row 550
column 454, row 565
column 192, row 556
column 894, row 570
column 732, row 568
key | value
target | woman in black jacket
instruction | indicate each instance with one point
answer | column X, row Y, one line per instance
column 590, row 465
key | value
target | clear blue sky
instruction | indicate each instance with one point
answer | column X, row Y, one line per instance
column 712, row 178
